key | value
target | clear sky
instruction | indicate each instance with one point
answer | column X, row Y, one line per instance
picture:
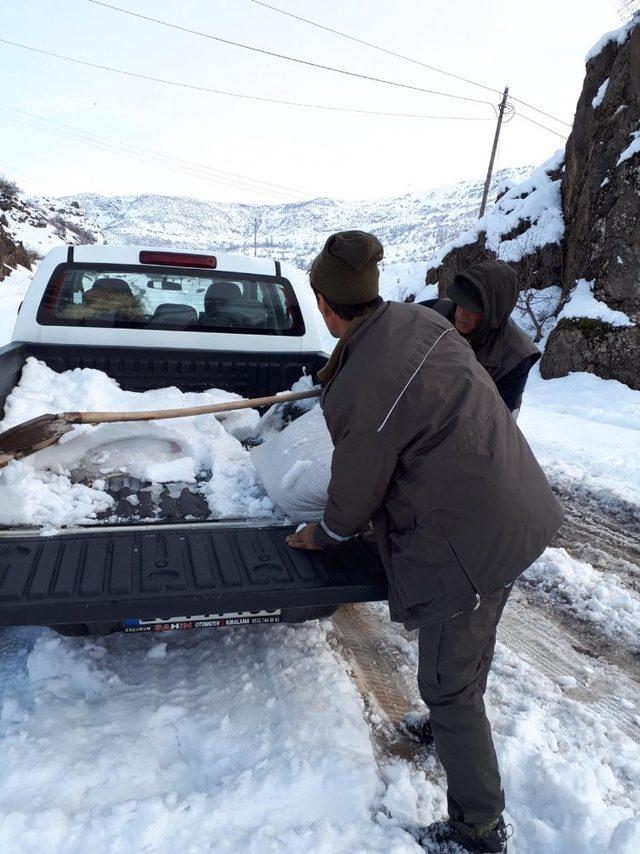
column 537, row 48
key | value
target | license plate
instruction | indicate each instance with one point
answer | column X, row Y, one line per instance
column 202, row 621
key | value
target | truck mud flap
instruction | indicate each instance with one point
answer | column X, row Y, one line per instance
column 98, row 576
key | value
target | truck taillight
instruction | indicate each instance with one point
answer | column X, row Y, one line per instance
column 179, row 259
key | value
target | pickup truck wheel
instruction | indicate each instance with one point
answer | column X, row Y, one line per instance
column 301, row 615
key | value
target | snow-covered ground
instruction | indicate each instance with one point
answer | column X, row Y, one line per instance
column 585, row 430
column 240, row 741
column 256, row 739
column 12, row 291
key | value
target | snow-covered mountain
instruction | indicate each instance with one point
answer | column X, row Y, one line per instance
column 411, row 227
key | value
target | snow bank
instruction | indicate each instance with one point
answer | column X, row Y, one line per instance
column 586, row 431
column 39, row 490
column 619, row 36
column 588, row 594
column 584, row 304
column 230, row 741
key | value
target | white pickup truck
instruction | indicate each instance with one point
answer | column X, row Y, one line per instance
column 152, row 318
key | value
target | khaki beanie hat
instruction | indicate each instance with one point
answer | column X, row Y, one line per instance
column 346, row 271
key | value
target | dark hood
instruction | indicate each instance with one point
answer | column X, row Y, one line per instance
column 497, row 287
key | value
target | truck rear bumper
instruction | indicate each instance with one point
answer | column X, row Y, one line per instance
column 110, row 575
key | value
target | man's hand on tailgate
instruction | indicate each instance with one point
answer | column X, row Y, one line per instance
column 305, row 538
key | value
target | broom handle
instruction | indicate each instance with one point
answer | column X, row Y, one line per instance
column 103, row 417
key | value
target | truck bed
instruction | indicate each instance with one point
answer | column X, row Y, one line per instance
column 116, row 573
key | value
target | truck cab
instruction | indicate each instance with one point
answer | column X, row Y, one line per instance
column 152, row 318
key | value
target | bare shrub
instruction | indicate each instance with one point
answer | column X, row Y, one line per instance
column 538, row 307
column 8, row 189
column 61, row 226
column 32, row 256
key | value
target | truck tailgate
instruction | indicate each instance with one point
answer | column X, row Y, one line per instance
column 113, row 575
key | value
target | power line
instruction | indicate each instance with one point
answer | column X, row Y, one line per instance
column 306, row 62
column 139, row 155
column 544, row 127
column 400, row 56
column 375, row 46
column 246, row 179
column 209, row 91
column 542, row 112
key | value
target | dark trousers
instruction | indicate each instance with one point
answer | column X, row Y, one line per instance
column 455, row 658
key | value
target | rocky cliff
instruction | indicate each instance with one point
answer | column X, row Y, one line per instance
column 30, row 227
column 577, row 220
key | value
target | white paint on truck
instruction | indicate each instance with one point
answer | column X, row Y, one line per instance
column 28, row 329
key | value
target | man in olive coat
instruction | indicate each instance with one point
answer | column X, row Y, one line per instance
column 426, row 450
column 479, row 303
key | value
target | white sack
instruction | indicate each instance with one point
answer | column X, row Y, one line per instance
column 295, row 467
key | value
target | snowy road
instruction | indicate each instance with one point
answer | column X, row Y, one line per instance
column 282, row 739
column 239, row 741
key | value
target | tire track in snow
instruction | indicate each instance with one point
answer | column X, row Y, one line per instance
column 604, row 533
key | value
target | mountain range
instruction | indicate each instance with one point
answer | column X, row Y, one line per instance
column 411, row 227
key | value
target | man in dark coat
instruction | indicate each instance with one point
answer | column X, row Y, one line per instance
column 480, row 302
column 424, row 448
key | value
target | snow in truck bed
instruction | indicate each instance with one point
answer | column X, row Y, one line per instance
column 70, row 484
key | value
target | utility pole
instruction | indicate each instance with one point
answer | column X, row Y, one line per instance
column 487, row 183
column 255, row 236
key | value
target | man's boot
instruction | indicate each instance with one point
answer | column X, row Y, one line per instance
column 418, row 727
column 454, row 836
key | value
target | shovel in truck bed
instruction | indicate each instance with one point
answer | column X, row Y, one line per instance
column 45, row 430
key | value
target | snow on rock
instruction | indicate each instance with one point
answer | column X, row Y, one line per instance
column 588, row 594
column 632, row 149
column 158, row 451
column 602, row 91
column 536, row 201
column 248, row 740
column 526, row 218
column 619, row 36
column 583, row 303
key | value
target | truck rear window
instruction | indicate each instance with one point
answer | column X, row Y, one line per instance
column 167, row 298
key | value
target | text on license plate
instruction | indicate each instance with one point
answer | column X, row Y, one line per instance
column 203, row 621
